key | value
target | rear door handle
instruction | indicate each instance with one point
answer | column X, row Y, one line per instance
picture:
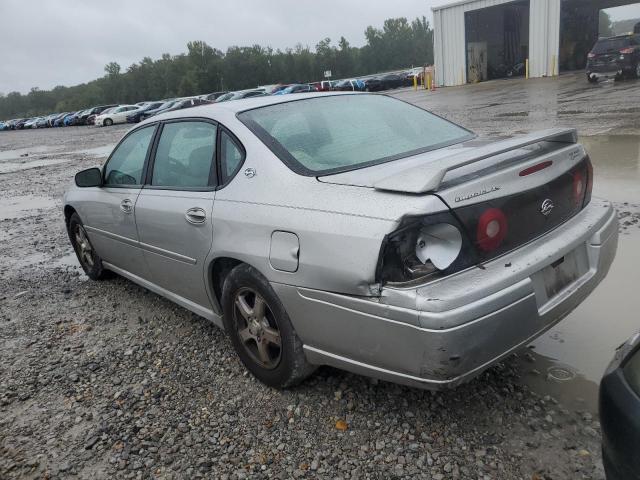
column 196, row 216
column 126, row 205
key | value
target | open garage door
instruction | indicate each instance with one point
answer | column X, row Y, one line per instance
column 579, row 29
column 497, row 41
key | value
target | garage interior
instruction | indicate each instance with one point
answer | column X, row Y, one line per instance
column 579, row 29
column 497, row 41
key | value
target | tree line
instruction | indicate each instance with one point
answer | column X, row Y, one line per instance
column 204, row 69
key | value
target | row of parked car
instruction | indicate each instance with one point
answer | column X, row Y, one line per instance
column 107, row 115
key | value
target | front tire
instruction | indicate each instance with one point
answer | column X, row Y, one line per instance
column 89, row 260
column 261, row 331
column 107, row 122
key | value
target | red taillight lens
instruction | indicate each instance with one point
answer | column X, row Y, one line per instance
column 492, row 229
column 589, row 188
column 627, row 51
column 579, row 187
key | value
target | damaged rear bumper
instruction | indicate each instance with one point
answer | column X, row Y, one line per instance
column 447, row 332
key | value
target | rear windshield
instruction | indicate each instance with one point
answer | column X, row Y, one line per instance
column 332, row 134
column 611, row 45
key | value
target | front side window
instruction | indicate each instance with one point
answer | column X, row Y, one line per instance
column 185, row 155
column 331, row 134
column 231, row 156
column 127, row 161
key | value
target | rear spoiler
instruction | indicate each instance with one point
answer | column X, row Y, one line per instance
column 427, row 178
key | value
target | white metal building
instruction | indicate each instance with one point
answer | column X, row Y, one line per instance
column 476, row 40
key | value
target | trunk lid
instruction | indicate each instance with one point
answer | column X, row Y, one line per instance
column 503, row 193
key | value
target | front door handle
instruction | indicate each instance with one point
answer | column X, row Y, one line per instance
column 196, row 216
column 126, row 205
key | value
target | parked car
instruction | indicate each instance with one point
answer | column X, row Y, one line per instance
column 297, row 88
column 373, row 84
column 135, row 115
column 363, row 235
column 324, row 85
column 42, row 122
column 20, row 124
column 278, row 88
column 620, row 413
column 392, row 81
column 72, row 118
column 88, row 118
column 240, row 95
column 614, row 57
column 59, row 119
column 354, row 85
column 213, row 96
column 114, row 115
column 32, row 122
column 187, row 103
column 154, row 111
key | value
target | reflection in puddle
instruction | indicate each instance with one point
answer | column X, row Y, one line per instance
column 15, row 207
column 570, row 359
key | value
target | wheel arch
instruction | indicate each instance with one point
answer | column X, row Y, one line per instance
column 68, row 212
column 217, row 272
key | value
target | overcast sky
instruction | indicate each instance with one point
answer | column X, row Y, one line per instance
column 65, row 42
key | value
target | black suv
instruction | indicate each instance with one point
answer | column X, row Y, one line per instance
column 615, row 57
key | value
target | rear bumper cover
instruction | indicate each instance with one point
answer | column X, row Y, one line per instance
column 448, row 332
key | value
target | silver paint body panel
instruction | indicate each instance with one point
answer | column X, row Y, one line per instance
column 435, row 335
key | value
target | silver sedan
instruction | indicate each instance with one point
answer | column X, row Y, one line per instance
column 351, row 230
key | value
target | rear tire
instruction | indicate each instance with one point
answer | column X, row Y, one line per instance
column 638, row 70
column 89, row 260
column 260, row 330
column 107, row 122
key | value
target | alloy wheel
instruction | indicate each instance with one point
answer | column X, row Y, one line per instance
column 83, row 246
column 257, row 328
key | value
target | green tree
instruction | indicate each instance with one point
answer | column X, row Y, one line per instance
column 203, row 69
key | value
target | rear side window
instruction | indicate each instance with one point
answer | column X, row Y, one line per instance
column 127, row 161
column 184, row 157
column 331, row 134
column 611, row 45
column 231, row 156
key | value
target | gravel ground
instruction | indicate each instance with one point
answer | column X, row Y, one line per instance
column 107, row 380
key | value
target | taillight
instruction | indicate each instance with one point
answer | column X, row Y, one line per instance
column 423, row 248
column 627, row 51
column 492, row 229
column 589, row 187
column 579, row 187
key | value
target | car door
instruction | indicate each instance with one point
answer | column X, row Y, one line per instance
column 174, row 209
column 108, row 211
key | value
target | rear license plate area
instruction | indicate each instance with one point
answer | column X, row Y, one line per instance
column 552, row 280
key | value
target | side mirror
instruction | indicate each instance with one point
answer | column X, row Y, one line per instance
column 92, row 177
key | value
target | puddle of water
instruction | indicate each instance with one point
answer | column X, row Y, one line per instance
column 15, row 207
column 571, row 358
column 547, row 376
column 616, row 164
